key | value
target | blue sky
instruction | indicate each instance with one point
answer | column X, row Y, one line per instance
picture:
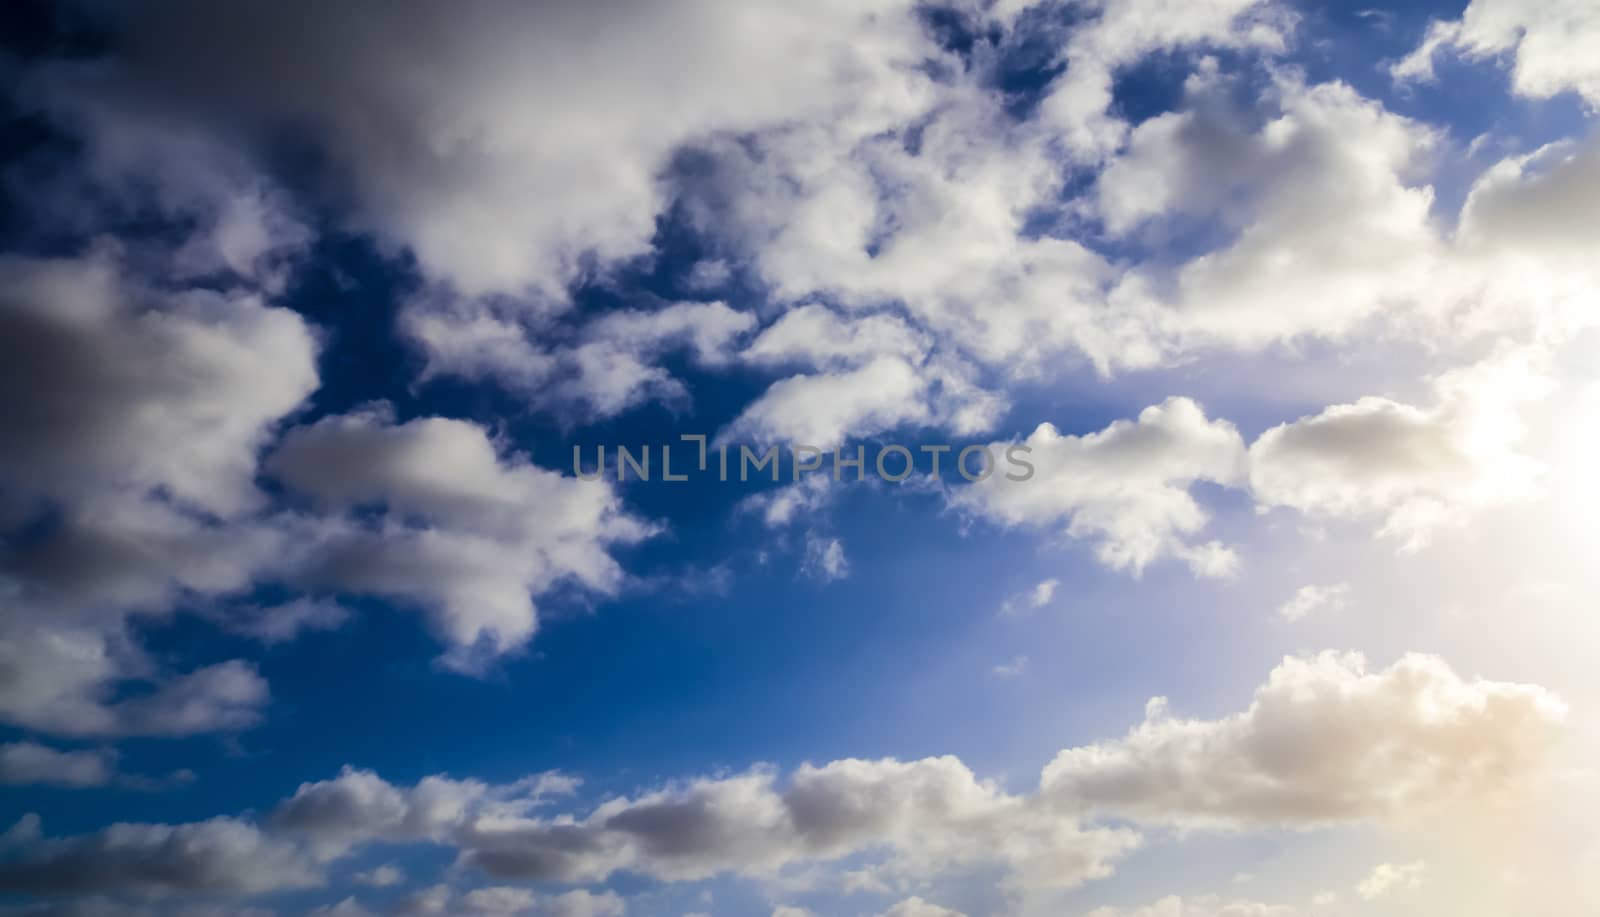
column 306, row 309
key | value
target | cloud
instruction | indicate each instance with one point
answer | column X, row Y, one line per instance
column 1209, row 906
column 1389, row 877
column 470, row 534
column 916, row 907
column 31, row 763
column 612, row 365
column 1310, row 599
column 1548, row 43
column 222, row 855
column 495, row 144
column 822, row 409
column 1323, row 741
column 284, row 621
column 103, row 374
column 1042, row 594
column 1015, row 667
column 1416, row 468
column 824, row 558
column 1126, row 488
column 380, row 876
column 56, row 680
column 133, row 417
column 790, row 502
column 1079, row 102
column 929, row 816
column 1317, row 200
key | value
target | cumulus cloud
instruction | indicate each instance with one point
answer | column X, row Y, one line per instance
column 1389, row 877
column 1308, row 600
column 465, row 165
column 929, row 816
column 57, row 680
column 469, row 533
column 1324, row 740
column 822, row 409
column 1548, row 43
column 824, row 559
column 1319, row 201
column 29, row 762
column 218, row 855
column 612, row 365
column 916, row 907
column 1121, row 33
column 1415, row 468
column 1126, row 488
column 1042, row 594
column 103, row 374
column 133, row 415
column 505, row 900
column 1209, row 906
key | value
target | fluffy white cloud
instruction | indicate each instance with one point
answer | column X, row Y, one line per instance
column 219, row 855
column 1321, row 205
column 1126, row 487
column 1119, row 33
column 823, row 409
column 498, row 170
column 59, row 680
column 505, row 901
column 1550, row 43
column 1042, row 594
column 824, row 558
column 916, row 907
column 1324, row 740
column 611, row 366
column 469, row 533
column 929, row 816
column 133, row 415
column 30, row 762
column 1209, row 906
column 1389, row 877
column 104, row 375
column 1415, row 468
column 1313, row 598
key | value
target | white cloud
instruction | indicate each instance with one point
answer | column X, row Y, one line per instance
column 1415, row 468
column 916, row 907
column 218, row 855
column 823, row 409
column 1208, row 906
column 825, row 559
column 1320, row 206
column 31, row 763
column 1389, row 877
column 496, row 168
column 1079, row 102
column 471, row 534
column 1042, row 594
column 1127, row 487
column 1323, row 741
column 929, row 816
column 381, row 876
column 1313, row 598
column 103, row 376
column 1549, row 42
column 1011, row 669
column 613, row 365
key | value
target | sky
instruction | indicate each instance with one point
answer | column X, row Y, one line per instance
column 1221, row 374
